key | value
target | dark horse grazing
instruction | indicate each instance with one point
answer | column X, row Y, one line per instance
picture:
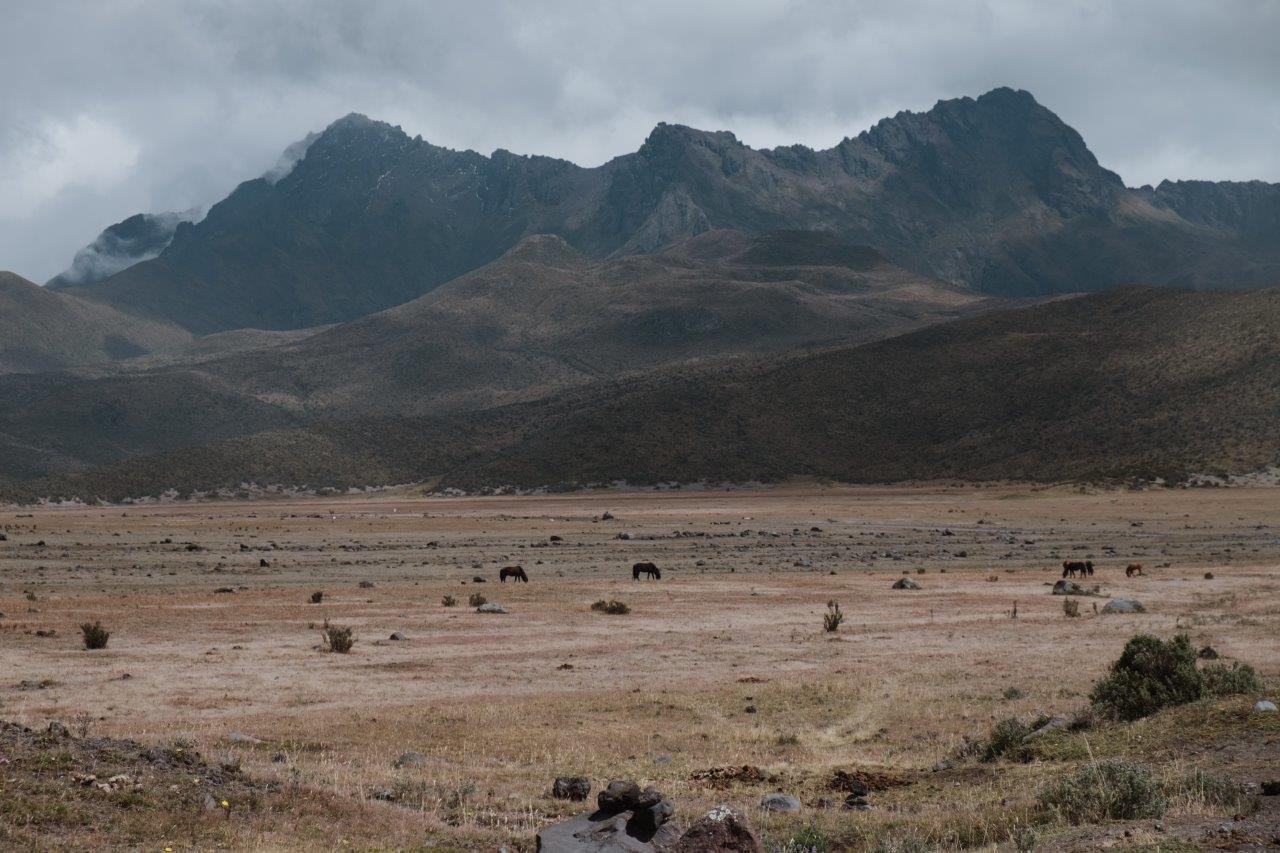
column 1132, row 569
column 513, row 572
column 1072, row 567
column 645, row 569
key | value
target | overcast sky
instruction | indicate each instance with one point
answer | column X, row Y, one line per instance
column 109, row 109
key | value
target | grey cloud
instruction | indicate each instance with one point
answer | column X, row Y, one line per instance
column 186, row 99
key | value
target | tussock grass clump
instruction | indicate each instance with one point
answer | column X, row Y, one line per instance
column 95, row 636
column 1204, row 790
column 1109, row 790
column 1150, row 674
column 476, row 599
column 1006, row 740
column 613, row 607
column 337, row 639
column 1070, row 607
column 448, row 600
column 317, row 596
column 832, row 618
column 1223, row 680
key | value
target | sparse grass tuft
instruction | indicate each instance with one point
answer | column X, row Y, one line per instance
column 613, row 607
column 1223, row 680
column 448, row 600
column 95, row 636
column 832, row 618
column 1108, row 790
column 1070, row 607
column 337, row 639
column 476, row 599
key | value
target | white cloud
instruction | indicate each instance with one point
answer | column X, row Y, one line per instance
column 82, row 153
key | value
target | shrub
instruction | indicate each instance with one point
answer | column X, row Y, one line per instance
column 810, row 839
column 1006, row 740
column 1110, row 790
column 832, row 618
column 476, row 599
column 1070, row 607
column 1204, row 789
column 613, row 607
column 1150, row 674
column 448, row 601
column 95, row 636
column 1223, row 680
column 337, row 639
column 317, row 596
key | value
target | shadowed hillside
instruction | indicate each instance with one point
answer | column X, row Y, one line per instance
column 1138, row 382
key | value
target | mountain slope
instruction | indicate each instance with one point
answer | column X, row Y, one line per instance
column 44, row 330
column 541, row 319
column 995, row 193
column 1134, row 382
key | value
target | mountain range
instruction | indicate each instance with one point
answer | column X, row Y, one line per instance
column 902, row 305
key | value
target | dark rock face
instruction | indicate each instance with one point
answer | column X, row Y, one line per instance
column 721, row 830
column 994, row 192
column 628, row 819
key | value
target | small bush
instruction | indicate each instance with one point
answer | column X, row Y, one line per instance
column 1006, row 740
column 1070, row 607
column 1203, row 789
column 95, row 636
column 448, row 601
column 1110, row 790
column 613, row 607
column 476, row 599
column 832, row 618
column 810, row 839
column 1223, row 680
column 1150, row 674
column 317, row 596
column 1012, row 693
column 337, row 639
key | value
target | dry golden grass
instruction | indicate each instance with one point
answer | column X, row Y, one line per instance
column 498, row 705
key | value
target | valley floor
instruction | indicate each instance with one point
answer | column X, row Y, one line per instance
column 721, row 663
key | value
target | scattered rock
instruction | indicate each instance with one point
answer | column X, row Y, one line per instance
column 1123, row 605
column 856, row 803
column 479, row 579
column 575, row 788
column 1208, row 653
column 619, row 796
column 1066, row 587
column 396, row 635
column 491, row 607
column 1271, row 788
column 721, row 830
column 409, row 759
column 905, row 583
column 779, row 802
column 1262, row 706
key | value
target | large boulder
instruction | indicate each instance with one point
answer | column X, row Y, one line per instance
column 1066, row 587
column 721, row 830
column 1123, row 605
column 905, row 583
column 629, row 820
column 575, row 788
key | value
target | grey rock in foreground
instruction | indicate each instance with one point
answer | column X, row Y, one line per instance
column 1265, row 706
column 628, row 819
column 1066, row 587
column 779, row 803
column 491, row 607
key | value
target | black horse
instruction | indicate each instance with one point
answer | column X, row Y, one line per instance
column 645, row 569
column 516, row 573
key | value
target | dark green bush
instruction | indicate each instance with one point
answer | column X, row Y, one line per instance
column 1223, row 680
column 1006, row 739
column 95, row 636
column 1110, row 790
column 1150, row 674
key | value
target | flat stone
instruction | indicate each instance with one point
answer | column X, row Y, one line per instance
column 491, row 607
column 784, row 803
column 1123, row 605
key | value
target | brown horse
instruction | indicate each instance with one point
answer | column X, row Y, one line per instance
column 1132, row 569
column 1071, row 567
column 514, row 572
column 645, row 569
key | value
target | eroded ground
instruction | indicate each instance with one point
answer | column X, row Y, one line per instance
column 721, row 663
